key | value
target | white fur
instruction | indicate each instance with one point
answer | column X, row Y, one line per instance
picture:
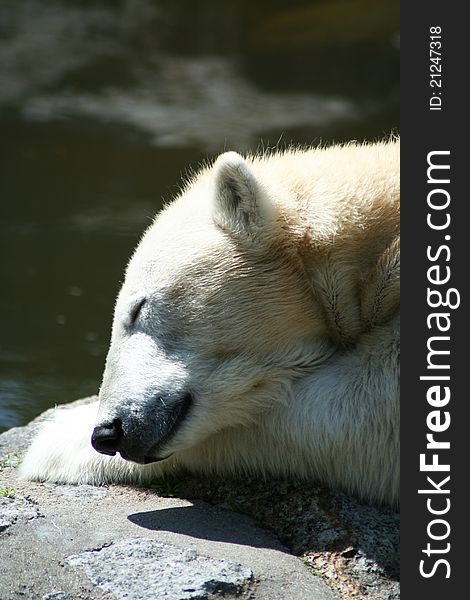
column 272, row 293
column 62, row 453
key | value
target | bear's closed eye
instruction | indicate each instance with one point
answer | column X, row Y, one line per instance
column 135, row 311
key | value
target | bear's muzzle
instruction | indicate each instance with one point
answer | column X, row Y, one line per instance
column 125, row 436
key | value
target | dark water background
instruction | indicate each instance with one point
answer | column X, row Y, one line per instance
column 105, row 105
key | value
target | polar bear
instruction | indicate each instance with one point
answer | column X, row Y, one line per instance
column 256, row 332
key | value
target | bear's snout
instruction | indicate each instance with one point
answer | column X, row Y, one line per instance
column 142, row 438
column 107, row 438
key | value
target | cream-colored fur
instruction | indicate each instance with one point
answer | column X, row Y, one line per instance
column 271, row 288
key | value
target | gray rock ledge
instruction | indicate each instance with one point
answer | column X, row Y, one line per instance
column 84, row 543
column 189, row 539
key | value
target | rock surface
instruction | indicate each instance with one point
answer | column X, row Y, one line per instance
column 140, row 568
column 188, row 539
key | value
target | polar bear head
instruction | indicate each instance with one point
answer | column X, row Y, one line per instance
column 214, row 321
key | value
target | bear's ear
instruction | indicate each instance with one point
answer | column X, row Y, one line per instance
column 239, row 206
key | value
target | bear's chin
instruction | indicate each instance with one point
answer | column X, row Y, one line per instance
column 143, row 460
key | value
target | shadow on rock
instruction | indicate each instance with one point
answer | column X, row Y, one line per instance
column 355, row 543
column 216, row 524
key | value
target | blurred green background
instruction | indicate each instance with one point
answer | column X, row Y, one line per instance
column 104, row 105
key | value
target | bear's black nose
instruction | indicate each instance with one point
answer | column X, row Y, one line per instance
column 106, row 438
